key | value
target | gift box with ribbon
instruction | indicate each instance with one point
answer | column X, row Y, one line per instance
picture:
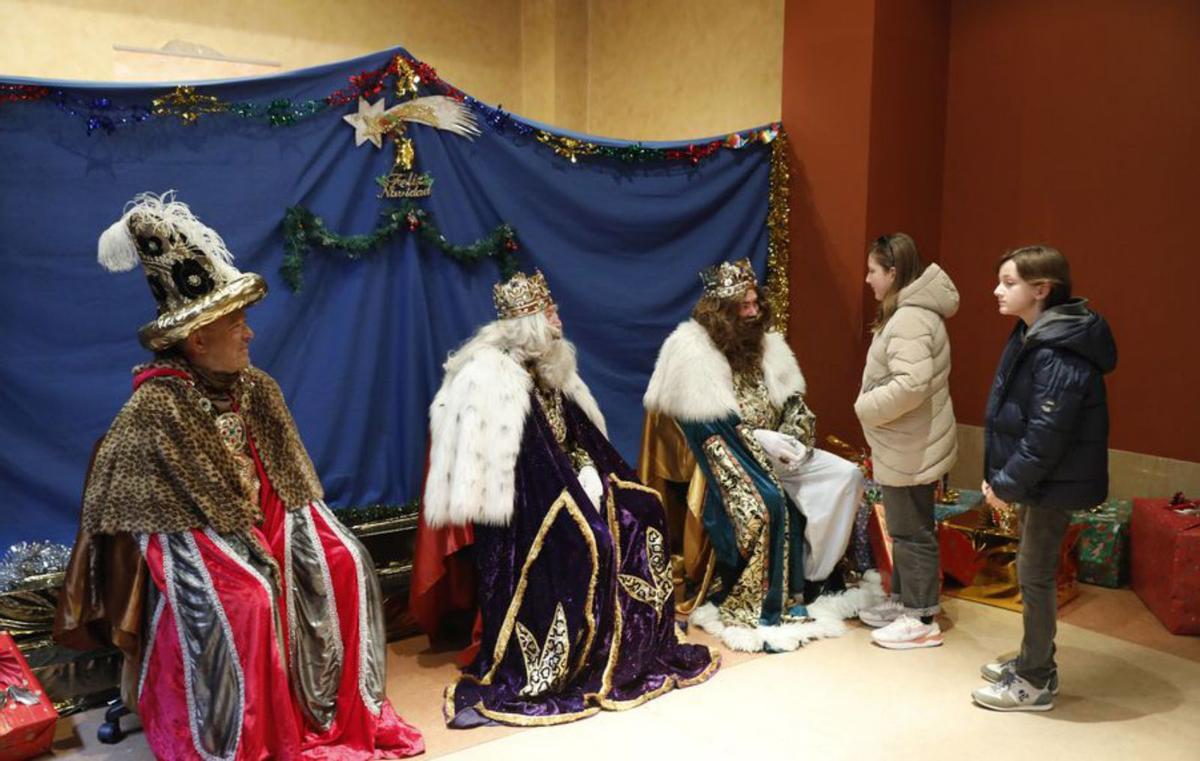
column 979, row 558
column 1104, row 543
column 1165, row 560
column 27, row 717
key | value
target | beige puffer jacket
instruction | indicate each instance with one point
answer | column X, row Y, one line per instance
column 904, row 405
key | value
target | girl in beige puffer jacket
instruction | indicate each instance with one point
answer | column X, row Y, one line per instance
column 908, row 420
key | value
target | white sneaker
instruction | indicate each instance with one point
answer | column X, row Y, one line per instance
column 994, row 672
column 908, row 633
column 882, row 614
column 1012, row 693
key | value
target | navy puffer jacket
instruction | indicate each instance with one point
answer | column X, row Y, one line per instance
column 1046, row 439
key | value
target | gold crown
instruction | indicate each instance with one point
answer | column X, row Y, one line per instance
column 521, row 295
column 728, row 279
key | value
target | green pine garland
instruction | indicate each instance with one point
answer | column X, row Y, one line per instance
column 303, row 231
column 358, row 516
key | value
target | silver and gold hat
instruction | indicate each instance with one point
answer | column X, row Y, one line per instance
column 521, row 295
column 188, row 267
column 728, row 280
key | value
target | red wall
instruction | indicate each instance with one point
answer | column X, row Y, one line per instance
column 1077, row 123
column 827, row 59
column 864, row 105
column 979, row 125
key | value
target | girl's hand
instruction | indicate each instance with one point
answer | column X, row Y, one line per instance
column 992, row 499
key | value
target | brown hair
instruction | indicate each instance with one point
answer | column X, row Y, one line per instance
column 1042, row 264
column 899, row 252
column 739, row 339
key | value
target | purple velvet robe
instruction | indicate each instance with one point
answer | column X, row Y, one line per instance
column 577, row 605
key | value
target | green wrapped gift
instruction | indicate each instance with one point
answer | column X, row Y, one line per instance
column 1104, row 543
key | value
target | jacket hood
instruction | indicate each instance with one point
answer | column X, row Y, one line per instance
column 1075, row 328
column 933, row 290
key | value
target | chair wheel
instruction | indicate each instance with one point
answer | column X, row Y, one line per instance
column 115, row 712
column 110, row 733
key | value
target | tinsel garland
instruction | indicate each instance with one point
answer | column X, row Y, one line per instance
column 25, row 559
column 778, row 239
column 303, row 230
column 406, row 73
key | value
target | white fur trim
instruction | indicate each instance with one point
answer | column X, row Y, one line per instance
column 828, row 614
column 708, row 618
column 577, row 391
column 692, row 380
column 781, row 370
column 847, row 604
column 477, row 420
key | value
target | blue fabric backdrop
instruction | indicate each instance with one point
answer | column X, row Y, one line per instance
column 358, row 352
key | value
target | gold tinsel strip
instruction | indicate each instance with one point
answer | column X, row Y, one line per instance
column 778, row 242
column 188, row 104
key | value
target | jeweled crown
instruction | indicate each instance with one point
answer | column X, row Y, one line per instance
column 521, row 295
column 728, row 279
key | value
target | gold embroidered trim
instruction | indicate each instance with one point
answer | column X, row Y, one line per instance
column 656, row 591
column 754, row 401
column 564, row 502
column 545, row 663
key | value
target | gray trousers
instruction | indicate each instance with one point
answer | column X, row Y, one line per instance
column 915, row 581
column 1042, row 531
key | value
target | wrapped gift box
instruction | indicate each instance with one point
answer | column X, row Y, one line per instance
column 27, row 717
column 859, row 553
column 1104, row 543
column 1165, row 561
column 881, row 542
column 980, row 557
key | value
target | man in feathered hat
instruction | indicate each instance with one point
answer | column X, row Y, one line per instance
column 575, row 588
column 777, row 510
column 250, row 618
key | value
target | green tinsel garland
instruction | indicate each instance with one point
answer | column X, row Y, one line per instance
column 303, row 230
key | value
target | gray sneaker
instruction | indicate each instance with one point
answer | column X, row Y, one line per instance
column 882, row 614
column 1012, row 693
column 994, row 671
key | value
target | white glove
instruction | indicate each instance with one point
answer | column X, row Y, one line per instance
column 589, row 479
column 786, row 452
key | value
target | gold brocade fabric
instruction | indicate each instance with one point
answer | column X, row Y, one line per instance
column 546, row 663
column 656, row 591
column 754, row 402
column 551, row 402
column 748, row 514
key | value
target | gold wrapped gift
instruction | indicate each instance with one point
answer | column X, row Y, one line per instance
column 979, row 557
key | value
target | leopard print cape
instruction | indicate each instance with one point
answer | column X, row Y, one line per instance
column 162, row 466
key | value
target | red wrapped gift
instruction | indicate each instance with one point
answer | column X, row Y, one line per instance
column 881, row 546
column 1164, row 549
column 27, row 716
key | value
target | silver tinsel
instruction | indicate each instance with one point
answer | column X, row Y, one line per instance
column 25, row 559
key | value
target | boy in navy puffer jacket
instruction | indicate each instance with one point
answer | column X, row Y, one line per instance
column 1046, row 447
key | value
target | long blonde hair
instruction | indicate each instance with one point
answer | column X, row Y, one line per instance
column 899, row 252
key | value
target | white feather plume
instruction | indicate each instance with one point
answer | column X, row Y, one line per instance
column 115, row 250
column 168, row 217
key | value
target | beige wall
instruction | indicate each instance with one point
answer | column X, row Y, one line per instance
column 636, row 69
column 666, row 70
column 1130, row 474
